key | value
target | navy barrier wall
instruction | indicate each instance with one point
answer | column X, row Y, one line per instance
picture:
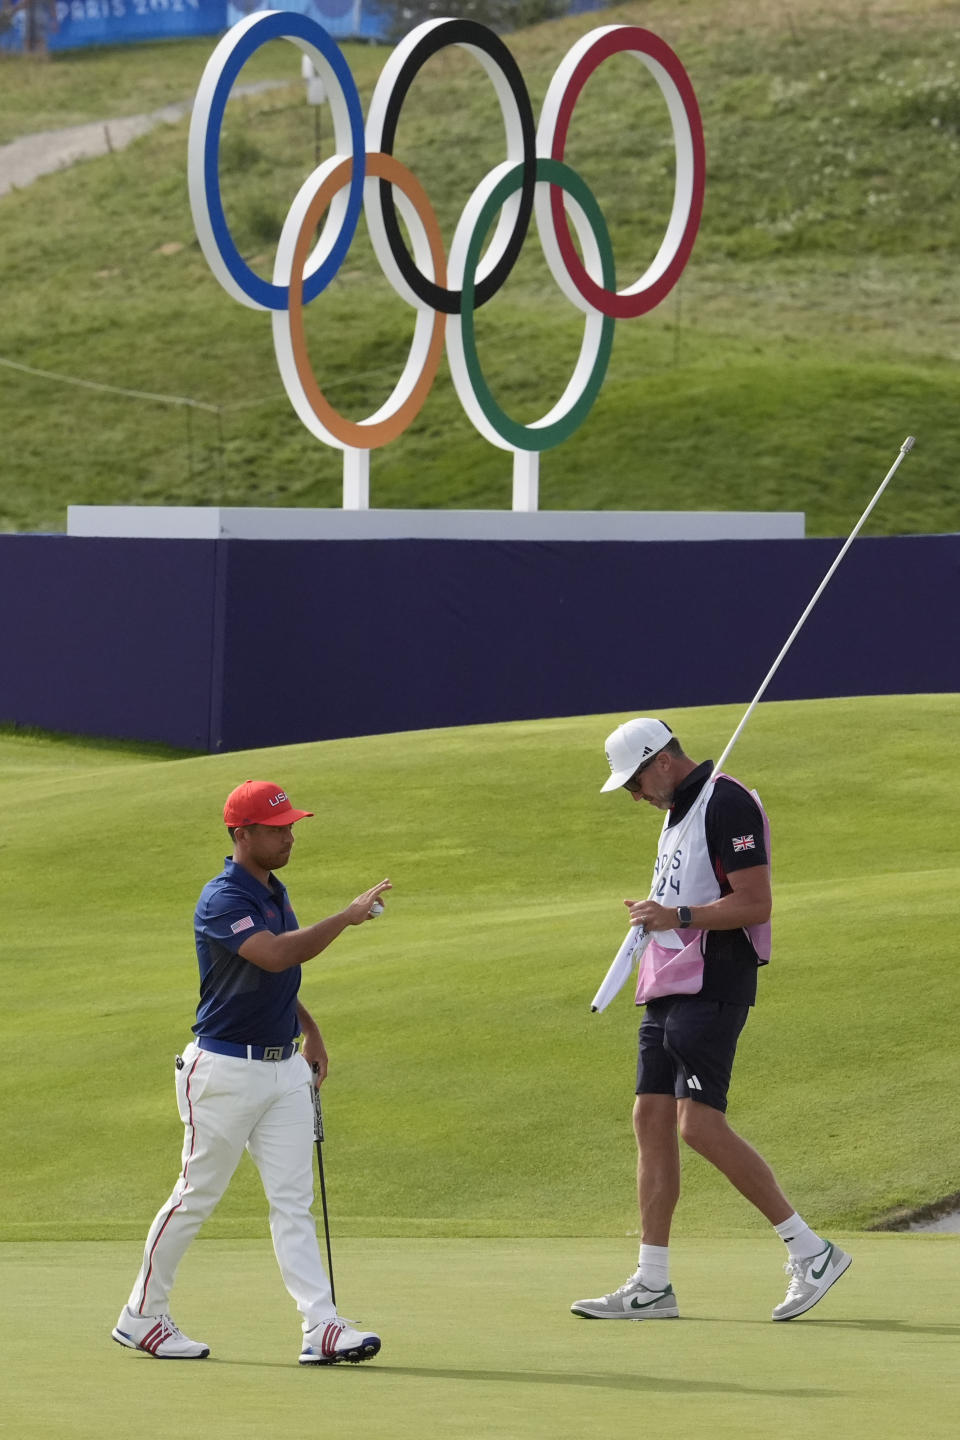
column 108, row 637
column 232, row 644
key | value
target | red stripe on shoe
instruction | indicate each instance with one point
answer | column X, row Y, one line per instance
column 331, row 1335
column 174, row 1208
column 153, row 1339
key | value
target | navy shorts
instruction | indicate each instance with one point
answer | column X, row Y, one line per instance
column 686, row 1048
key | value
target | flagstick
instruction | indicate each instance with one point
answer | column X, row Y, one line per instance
column 617, row 974
column 905, row 449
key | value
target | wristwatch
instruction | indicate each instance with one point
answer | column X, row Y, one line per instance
column 684, row 916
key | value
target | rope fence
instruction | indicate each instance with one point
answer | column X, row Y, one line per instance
column 215, row 446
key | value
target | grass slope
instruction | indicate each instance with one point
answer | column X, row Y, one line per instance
column 478, row 1344
column 815, row 326
column 471, row 1091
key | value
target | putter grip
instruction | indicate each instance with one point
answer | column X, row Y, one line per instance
column 317, row 1110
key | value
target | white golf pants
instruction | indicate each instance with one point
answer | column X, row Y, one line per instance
column 227, row 1104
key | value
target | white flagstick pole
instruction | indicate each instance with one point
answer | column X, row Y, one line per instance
column 631, row 948
column 905, row 449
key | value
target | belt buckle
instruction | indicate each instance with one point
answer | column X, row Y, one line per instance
column 273, row 1052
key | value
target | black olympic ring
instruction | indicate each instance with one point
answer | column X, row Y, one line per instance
column 475, row 37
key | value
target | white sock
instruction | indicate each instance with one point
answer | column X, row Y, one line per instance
column 654, row 1266
column 800, row 1240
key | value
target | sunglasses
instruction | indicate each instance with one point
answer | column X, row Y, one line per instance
column 633, row 784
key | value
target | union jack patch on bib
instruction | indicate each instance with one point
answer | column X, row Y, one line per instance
column 743, row 842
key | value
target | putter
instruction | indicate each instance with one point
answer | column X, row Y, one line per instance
column 318, row 1136
column 635, row 943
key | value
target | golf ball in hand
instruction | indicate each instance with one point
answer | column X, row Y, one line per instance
column 375, row 909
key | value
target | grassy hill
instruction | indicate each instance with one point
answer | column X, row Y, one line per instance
column 471, row 1091
column 815, row 326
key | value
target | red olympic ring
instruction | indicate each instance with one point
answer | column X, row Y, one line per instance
column 682, row 228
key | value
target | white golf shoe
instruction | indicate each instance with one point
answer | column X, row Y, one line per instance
column 810, row 1280
column 156, row 1335
column 633, row 1301
column 337, row 1339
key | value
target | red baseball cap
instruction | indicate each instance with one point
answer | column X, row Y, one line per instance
column 259, row 802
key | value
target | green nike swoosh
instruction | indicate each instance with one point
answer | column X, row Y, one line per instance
column 818, row 1274
column 636, row 1304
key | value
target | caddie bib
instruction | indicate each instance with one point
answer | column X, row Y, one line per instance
column 672, row 961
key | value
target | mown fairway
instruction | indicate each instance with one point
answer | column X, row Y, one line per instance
column 815, row 326
column 471, row 1091
column 478, row 1344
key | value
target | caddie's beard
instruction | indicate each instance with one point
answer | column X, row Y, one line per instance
column 661, row 799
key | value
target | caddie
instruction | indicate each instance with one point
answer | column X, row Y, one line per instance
column 709, row 919
column 242, row 1083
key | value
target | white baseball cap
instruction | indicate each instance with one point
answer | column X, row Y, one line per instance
column 631, row 744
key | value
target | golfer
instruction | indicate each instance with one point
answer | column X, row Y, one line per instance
column 242, row 1083
column 710, row 927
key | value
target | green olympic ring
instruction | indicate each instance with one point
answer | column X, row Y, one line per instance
column 584, row 384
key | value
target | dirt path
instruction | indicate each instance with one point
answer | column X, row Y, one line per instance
column 24, row 160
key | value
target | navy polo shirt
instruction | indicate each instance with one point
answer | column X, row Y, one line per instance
column 239, row 1001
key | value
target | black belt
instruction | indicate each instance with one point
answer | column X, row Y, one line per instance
column 247, row 1052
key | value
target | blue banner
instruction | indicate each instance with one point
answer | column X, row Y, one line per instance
column 343, row 19
column 72, row 24
column 354, row 20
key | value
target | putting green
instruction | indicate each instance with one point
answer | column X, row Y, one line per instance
column 471, row 1092
column 478, row 1344
column 473, row 1095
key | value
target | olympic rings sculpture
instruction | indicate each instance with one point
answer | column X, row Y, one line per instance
column 533, row 181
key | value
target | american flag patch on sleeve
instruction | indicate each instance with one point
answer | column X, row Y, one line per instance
column 247, row 924
column 743, row 842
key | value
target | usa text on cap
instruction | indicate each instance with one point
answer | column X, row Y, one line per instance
column 260, row 802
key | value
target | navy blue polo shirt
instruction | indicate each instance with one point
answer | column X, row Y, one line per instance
column 239, row 1001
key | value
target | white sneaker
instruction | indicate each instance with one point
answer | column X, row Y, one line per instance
column 633, row 1301
column 156, row 1335
column 338, row 1339
column 810, row 1280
